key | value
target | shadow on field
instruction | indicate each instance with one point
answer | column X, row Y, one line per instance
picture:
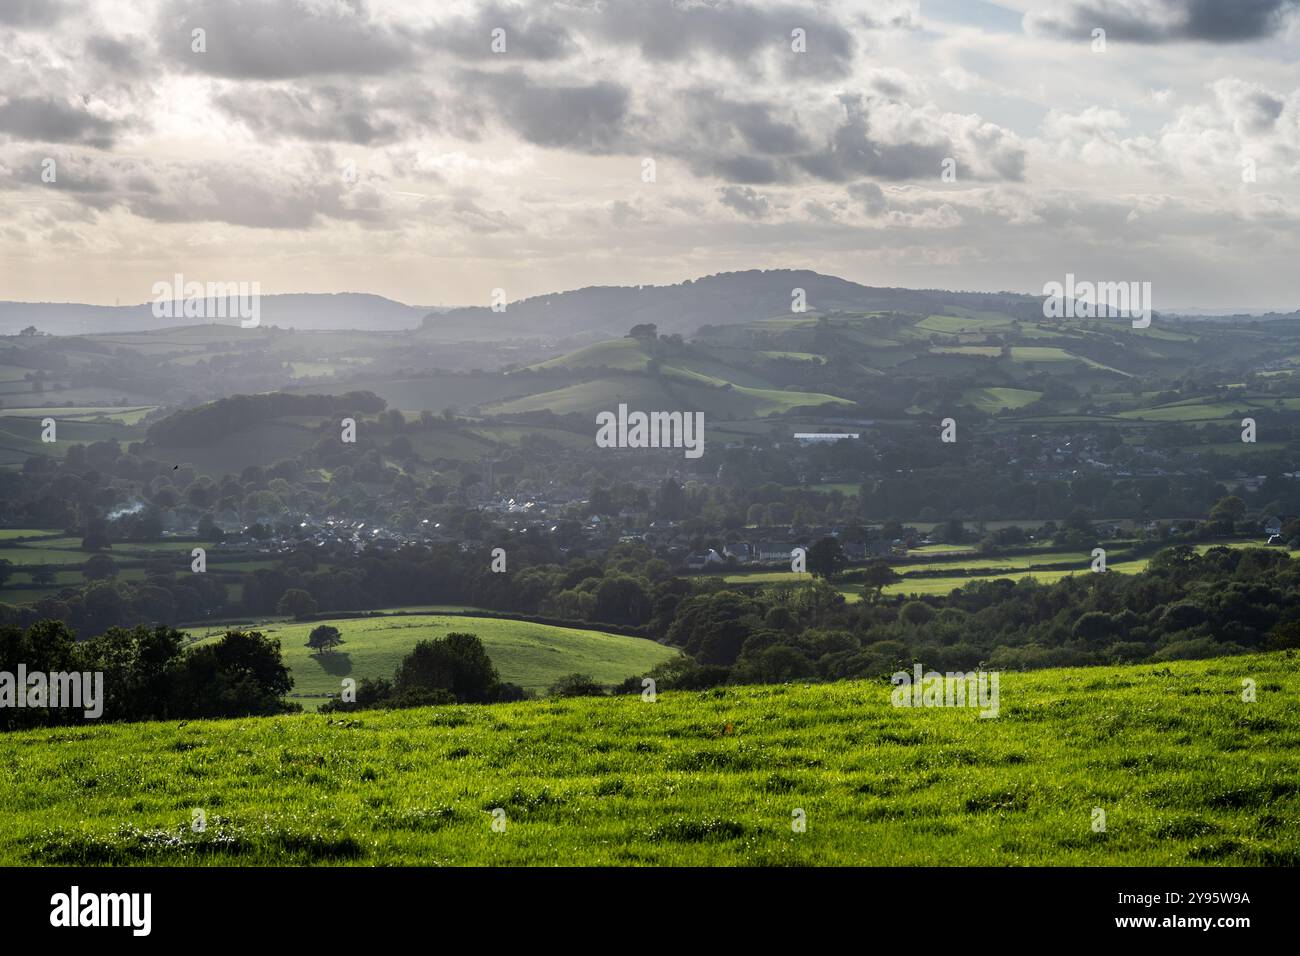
column 334, row 663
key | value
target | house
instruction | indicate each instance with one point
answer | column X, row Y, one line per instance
column 703, row 559
column 769, row 553
column 740, row 551
column 824, row 438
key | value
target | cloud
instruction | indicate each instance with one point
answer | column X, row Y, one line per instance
column 529, row 34
column 277, row 39
column 118, row 55
column 745, row 201
column 45, row 119
column 739, row 32
column 870, row 196
column 241, row 193
column 325, row 113
column 1167, row 21
column 895, row 141
column 583, row 116
column 32, row 13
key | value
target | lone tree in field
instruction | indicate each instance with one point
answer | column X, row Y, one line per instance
column 876, row 576
column 826, row 558
column 324, row 637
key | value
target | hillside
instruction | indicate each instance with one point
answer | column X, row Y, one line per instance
column 1185, row 771
column 720, row 299
column 345, row 310
column 531, row 655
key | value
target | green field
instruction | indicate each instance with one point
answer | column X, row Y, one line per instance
column 531, row 655
column 961, row 571
column 954, row 324
column 128, row 415
column 993, row 400
column 1185, row 771
column 625, row 353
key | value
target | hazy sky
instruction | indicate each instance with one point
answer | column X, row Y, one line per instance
column 383, row 146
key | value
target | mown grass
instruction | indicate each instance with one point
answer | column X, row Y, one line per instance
column 1186, row 772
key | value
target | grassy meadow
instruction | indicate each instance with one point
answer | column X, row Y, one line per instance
column 1186, row 772
column 533, row 656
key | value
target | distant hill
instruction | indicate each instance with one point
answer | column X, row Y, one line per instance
column 343, row 310
column 722, row 299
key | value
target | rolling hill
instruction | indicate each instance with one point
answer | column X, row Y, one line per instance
column 707, row 778
column 531, row 655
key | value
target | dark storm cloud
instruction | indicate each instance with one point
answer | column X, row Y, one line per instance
column 279, row 39
column 1166, row 21
column 45, row 119
column 585, row 116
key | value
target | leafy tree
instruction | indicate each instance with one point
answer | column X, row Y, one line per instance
column 826, row 558
column 876, row 576
column 916, row 613
column 1227, row 511
column 323, row 638
column 96, row 537
column 457, row 663
column 577, row 685
column 240, row 675
column 297, row 602
column 99, row 567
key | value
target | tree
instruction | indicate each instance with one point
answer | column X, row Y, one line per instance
column 324, row 637
column 876, row 577
column 240, row 675
column 6, row 570
column 826, row 558
column 297, row 602
column 43, row 574
column 457, row 663
column 916, row 613
column 577, row 685
column 1227, row 512
column 621, row 599
column 99, row 567
column 645, row 330
column 96, row 537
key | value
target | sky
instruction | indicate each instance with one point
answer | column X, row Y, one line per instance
column 434, row 152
